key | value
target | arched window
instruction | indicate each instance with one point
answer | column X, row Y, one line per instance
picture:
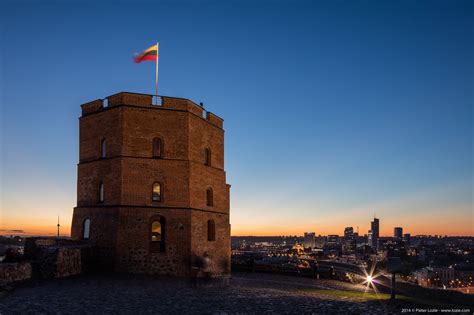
column 101, row 192
column 157, row 234
column 209, row 197
column 156, row 194
column 86, row 229
column 207, row 156
column 211, row 230
column 157, row 147
column 103, row 149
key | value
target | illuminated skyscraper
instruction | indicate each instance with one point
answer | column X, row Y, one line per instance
column 374, row 234
column 349, row 245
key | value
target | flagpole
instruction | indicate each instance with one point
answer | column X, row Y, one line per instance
column 157, row 55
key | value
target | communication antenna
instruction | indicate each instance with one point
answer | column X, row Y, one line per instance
column 58, row 226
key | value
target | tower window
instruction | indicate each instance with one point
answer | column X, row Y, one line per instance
column 103, row 148
column 157, row 147
column 211, row 230
column 86, row 229
column 157, row 234
column 156, row 195
column 207, row 156
column 101, row 192
column 209, row 197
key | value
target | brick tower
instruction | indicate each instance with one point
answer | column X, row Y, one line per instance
column 151, row 186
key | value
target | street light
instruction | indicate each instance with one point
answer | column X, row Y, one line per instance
column 369, row 279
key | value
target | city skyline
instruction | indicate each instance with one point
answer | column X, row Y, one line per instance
column 333, row 112
column 354, row 229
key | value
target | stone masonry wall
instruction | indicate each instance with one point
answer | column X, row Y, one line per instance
column 138, row 176
column 15, row 272
column 219, row 250
column 134, row 252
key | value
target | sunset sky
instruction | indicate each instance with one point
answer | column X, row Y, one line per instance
column 334, row 110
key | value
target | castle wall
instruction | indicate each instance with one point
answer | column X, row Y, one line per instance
column 142, row 125
column 138, row 176
column 107, row 171
column 93, row 128
column 218, row 250
column 203, row 134
column 134, row 251
column 15, row 272
column 103, row 232
column 203, row 177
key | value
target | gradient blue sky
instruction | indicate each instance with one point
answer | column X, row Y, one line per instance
column 334, row 110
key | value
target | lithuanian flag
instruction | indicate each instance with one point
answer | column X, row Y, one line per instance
column 149, row 54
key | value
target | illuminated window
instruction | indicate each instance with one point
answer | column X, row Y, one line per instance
column 207, row 157
column 101, row 192
column 156, row 231
column 156, row 196
column 103, row 149
column 209, row 197
column 211, row 230
column 157, row 147
column 157, row 235
column 86, row 229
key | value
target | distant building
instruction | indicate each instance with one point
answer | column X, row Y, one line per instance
column 407, row 238
column 298, row 248
column 369, row 238
column 333, row 239
column 320, row 241
column 350, row 243
column 398, row 233
column 348, row 233
column 434, row 276
column 374, row 234
column 310, row 240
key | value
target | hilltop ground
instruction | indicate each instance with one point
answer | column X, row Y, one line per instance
column 248, row 294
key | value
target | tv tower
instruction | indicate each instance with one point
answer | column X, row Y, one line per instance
column 58, row 226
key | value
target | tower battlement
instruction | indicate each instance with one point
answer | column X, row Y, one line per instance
column 146, row 100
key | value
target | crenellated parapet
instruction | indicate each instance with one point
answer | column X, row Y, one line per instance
column 147, row 101
column 92, row 107
column 214, row 119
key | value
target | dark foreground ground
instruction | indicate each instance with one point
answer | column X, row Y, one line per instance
column 248, row 294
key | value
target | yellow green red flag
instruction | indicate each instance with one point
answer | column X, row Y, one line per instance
column 150, row 54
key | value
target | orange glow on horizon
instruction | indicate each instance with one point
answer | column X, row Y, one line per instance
column 65, row 230
column 341, row 233
column 444, row 221
column 38, row 230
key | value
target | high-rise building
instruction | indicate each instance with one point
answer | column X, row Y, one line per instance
column 348, row 233
column 309, row 240
column 349, row 245
column 407, row 238
column 374, row 234
column 333, row 239
column 398, row 233
column 151, row 186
